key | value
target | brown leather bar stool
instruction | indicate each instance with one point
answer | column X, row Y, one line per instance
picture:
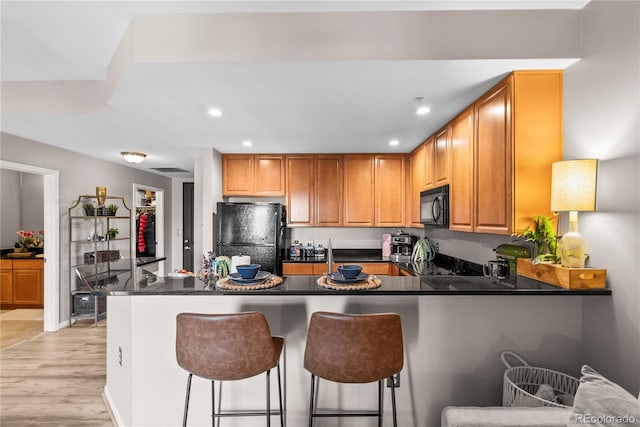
column 354, row 348
column 227, row 347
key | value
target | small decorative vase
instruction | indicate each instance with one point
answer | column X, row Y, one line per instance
column 101, row 195
column 19, row 250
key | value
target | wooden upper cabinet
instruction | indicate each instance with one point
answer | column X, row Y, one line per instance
column 328, row 190
column 237, row 175
column 390, row 190
column 358, row 190
column 300, row 199
column 461, row 195
column 269, row 175
column 536, row 121
column 416, row 184
column 441, row 157
column 518, row 137
column 493, row 161
column 429, row 164
column 253, row 175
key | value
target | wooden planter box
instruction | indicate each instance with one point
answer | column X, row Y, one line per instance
column 569, row 278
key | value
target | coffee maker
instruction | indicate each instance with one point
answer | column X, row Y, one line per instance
column 402, row 246
column 504, row 268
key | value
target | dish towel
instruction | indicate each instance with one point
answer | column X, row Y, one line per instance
column 143, row 223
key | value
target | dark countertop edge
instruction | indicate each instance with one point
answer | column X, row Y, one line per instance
column 330, row 292
column 148, row 260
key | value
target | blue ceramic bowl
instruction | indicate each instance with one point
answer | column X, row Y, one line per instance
column 248, row 271
column 350, row 271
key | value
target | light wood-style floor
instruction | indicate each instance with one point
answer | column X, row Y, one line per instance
column 54, row 378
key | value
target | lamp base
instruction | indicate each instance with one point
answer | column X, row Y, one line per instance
column 572, row 250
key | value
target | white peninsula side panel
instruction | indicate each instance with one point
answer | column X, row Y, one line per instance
column 452, row 346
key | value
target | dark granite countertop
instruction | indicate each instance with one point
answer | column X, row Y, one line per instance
column 391, row 285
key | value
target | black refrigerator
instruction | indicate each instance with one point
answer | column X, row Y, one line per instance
column 254, row 229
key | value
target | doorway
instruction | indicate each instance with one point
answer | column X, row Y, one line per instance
column 149, row 201
column 187, row 225
column 52, row 243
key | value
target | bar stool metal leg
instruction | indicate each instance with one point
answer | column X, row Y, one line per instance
column 213, row 404
column 393, row 402
column 313, row 382
column 280, row 397
column 186, row 402
column 380, row 390
column 268, row 399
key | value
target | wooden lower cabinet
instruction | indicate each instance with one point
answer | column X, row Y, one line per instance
column 23, row 284
column 297, row 269
column 27, row 287
column 319, row 268
column 6, row 286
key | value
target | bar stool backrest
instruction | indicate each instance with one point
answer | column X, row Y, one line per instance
column 354, row 348
column 224, row 346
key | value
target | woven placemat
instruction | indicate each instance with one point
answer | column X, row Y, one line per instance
column 371, row 282
column 271, row 282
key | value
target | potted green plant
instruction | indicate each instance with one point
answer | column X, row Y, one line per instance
column 542, row 234
column 112, row 233
column 89, row 209
column 111, row 210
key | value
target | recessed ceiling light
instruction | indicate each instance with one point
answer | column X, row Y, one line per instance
column 215, row 112
column 394, row 142
column 422, row 110
column 247, row 143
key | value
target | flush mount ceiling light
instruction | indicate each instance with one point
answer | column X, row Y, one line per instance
column 394, row 142
column 247, row 143
column 421, row 109
column 133, row 156
column 215, row 112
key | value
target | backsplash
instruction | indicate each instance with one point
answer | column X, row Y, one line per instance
column 341, row 238
column 474, row 247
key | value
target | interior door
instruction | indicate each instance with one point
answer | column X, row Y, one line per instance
column 187, row 226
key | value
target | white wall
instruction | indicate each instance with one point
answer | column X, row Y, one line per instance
column 32, row 201
column 9, row 207
column 602, row 120
column 207, row 192
column 80, row 174
column 22, row 200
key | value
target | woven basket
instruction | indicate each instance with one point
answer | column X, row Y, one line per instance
column 521, row 383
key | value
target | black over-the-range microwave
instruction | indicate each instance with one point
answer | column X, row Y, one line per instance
column 434, row 206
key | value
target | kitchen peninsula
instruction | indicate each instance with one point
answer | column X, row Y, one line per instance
column 145, row 386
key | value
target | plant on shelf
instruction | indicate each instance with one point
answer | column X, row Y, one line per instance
column 111, row 210
column 89, row 209
column 112, row 232
column 543, row 236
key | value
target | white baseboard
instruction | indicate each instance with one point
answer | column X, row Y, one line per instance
column 108, row 401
